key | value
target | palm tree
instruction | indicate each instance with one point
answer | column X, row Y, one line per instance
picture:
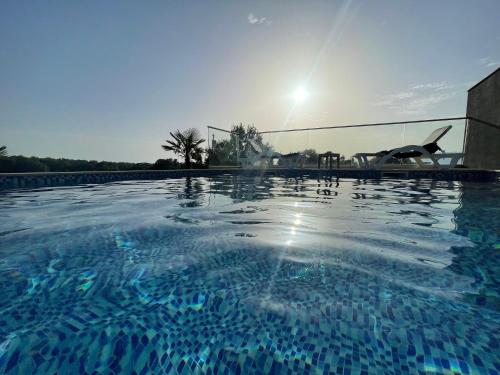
column 186, row 143
column 3, row 151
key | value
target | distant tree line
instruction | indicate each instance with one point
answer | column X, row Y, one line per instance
column 18, row 164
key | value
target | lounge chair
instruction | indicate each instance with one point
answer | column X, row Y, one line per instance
column 428, row 150
column 257, row 155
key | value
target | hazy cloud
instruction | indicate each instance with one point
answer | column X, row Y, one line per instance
column 488, row 62
column 432, row 85
column 253, row 20
column 391, row 99
column 419, row 98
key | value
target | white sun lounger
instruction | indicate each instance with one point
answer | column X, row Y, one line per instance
column 427, row 150
column 257, row 156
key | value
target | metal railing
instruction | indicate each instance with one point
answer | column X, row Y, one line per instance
column 283, row 142
column 365, row 125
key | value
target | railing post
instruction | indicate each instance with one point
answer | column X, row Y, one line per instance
column 403, row 134
column 464, row 142
column 237, row 150
column 208, row 148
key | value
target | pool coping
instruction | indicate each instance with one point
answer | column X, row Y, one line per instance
column 47, row 179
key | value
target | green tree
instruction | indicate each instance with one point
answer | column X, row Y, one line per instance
column 33, row 164
column 222, row 153
column 244, row 134
column 225, row 152
column 161, row 164
column 3, row 151
column 311, row 156
column 22, row 164
column 187, row 144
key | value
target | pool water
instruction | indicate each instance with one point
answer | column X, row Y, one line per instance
column 244, row 275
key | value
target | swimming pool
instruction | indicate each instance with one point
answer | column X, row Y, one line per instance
column 234, row 274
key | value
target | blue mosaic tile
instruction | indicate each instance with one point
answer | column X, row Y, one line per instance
column 149, row 277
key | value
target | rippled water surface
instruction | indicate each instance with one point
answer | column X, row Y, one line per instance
column 246, row 275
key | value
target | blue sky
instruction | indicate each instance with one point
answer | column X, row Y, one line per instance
column 108, row 80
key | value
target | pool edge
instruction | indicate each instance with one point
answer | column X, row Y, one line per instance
column 48, row 179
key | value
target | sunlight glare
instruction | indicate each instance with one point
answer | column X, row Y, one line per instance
column 300, row 95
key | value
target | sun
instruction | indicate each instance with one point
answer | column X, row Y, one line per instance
column 300, row 95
